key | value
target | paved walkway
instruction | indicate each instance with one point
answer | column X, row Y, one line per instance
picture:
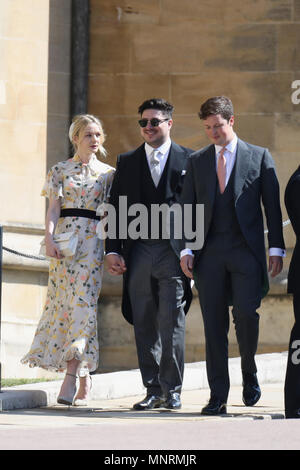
column 109, row 424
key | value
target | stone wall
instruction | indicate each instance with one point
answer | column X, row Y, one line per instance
column 23, row 111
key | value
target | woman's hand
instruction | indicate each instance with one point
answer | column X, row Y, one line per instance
column 52, row 249
column 115, row 264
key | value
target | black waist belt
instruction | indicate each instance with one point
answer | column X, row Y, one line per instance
column 79, row 213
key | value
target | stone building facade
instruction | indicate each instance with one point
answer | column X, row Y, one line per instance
column 182, row 51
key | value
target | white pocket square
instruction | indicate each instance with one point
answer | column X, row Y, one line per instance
column 183, row 172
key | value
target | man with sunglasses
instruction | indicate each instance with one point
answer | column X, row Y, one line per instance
column 156, row 294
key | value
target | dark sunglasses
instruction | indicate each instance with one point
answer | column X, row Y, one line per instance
column 154, row 122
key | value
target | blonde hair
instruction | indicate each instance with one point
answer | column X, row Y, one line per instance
column 78, row 125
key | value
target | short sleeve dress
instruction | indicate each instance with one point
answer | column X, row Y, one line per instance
column 68, row 325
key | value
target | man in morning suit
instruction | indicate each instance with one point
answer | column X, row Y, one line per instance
column 292, row 379
column 231, row 178
column 156, row 294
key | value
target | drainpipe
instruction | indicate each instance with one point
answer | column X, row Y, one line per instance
column 79, row 56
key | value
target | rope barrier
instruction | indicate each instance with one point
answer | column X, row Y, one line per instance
column 39, row 258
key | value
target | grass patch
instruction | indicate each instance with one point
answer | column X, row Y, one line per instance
column 14, row 382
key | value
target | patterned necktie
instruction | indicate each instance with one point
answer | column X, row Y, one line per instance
column 155, row 167
column 221, row 170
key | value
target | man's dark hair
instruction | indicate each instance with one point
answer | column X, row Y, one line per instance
column 157, row 103
column 217, row 105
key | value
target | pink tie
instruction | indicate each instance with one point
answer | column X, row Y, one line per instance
column 221, row 170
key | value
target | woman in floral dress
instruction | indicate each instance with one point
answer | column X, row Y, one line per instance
column 66, row 336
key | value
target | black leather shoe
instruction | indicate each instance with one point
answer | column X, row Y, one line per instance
column 215, row 406
column 251, row 389
column 173, row 401
column 149, row 402
column 292, row 414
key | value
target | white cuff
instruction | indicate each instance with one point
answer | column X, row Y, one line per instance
column 185, row 252
column 277, row 252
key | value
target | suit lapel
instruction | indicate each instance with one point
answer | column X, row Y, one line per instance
column 208, row 177
column 134, row 174
column 205, row 169
column 243, row 161
column 176, row 163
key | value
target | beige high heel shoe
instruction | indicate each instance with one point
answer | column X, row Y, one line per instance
column 68, row 399
column 83, row 401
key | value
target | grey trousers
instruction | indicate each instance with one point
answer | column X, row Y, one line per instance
column 156, row 294
column 227, row 268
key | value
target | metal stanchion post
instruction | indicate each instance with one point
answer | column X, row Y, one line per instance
column 1, row 244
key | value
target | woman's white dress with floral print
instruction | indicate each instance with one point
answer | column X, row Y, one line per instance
column 68, row 326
